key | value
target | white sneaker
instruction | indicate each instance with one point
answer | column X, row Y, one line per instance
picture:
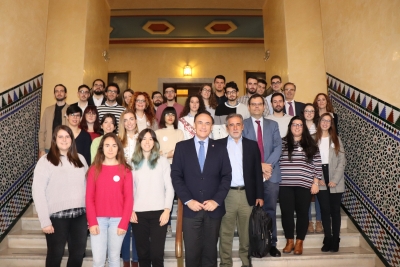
column 169, row 231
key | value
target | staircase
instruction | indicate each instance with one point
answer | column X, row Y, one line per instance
column 25, row 246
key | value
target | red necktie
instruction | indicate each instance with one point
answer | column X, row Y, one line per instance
column 260, row 140
column 291, row 112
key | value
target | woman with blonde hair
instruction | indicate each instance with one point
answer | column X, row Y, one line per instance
column 143, row 107
column 128, row 134
column 331, row 187
column 109, row 200
column 126, row 97
column 153, row 193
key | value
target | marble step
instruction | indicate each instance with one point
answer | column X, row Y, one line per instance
column 349, row 257
column 36, row 239
column 32, row 222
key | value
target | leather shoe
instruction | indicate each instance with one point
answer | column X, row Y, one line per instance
column 135, row 264
column 298, row 248
column 289, row 246
column 327, row 244
column 274, row 252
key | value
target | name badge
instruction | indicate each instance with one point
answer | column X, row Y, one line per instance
column 116, row 178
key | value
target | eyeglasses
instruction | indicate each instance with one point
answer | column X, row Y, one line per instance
column 140, row 101
column 297, row 125
column 84, row 92
column 256, row 104
column 273, row 83
column 76, row 115
column 326, row 121
column 206, row 90
column 91, row 113
column 231, row 92
column 309, row 111
column 112, row 92
column 170, row 114
column 290, row 89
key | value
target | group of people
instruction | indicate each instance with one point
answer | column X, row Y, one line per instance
column 113, row 170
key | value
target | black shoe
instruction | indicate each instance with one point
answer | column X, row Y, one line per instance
column 274, row 252
column 335, row 244
column 327, row 244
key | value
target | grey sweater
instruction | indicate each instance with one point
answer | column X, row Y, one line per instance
column 153, row 188
column 57, row 188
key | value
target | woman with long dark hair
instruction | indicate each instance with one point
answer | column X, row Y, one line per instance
column 58, row 191
column 109, row 201
column 322, row 104
column 194, row 104
column 128, row 134
column 108, row 125
column 332, row 185
column 90, row 122
column 210, row 102
column 153, row 194
column 300, row 164
column 143, row 107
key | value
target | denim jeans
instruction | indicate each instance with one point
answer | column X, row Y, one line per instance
column 317, row 210
column 107, row 242
column 125, row 250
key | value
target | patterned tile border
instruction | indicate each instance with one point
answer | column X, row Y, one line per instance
column 381, row 110
column 19, row 124
column 18, row 92
column 368, row 128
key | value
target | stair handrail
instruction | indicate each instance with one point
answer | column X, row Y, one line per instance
column 178, row 236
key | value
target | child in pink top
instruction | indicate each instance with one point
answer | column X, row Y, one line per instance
column 109, row 200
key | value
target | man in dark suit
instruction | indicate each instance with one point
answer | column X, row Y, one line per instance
column 201, row 174
column 292, row 108
column 246, row 190
column 266, row 134
column 97, row 98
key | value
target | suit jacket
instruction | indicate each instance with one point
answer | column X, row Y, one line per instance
column 337, row 163
column 211, row 184
column 252, row 171
column 272, row 143
column 91, row 102
column 298, row 107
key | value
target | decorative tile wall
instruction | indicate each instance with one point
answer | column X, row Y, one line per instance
column 19, row 128
column 370, row 131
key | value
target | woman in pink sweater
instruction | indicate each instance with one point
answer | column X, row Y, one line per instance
column 109, row 200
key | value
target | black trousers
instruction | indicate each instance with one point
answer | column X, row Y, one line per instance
column 200, row 235
column 330, row 208
column 73, row 231
column 150, row 238
column 291, row 199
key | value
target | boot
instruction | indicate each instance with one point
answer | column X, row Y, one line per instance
column 127, row 264
column 135, row 264
column 318, row 227
column 289, row 246
column 298, row 248
column 310, row 227
column 335, row 244
column 327, row 244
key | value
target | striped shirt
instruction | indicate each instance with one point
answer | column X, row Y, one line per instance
column 299, row 172
column 116, row 110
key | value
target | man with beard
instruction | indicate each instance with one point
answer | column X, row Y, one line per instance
column 261, row 87
column 53, row 116
column 97, row 99
column 219, row 93
column 283, row 120
column 157, row 99
column 251, row 89
column 83, row 95
column 229, row 107
column 111, row 105
column 170, row 95
column 276, row 83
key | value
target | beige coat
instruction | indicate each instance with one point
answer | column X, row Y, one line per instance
column 337, row 163
column 46, row 126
